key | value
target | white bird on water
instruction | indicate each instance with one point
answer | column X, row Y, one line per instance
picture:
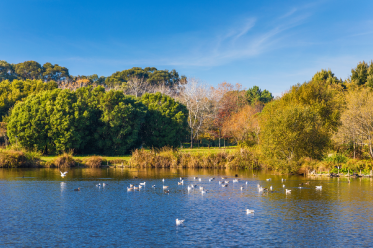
column 270, row 188
column 283, row 185
column 200, row 179
column 247, row 182
column 288, row 191
column 163, row 180
column 63, row 174
column 241, row 188
column 318, row 187
column 269, row 179
column 165, row 187
column 143, row 184
column 179, row 222
column 248, row 211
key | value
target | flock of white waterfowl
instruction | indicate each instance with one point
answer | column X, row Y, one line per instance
column 224, row 183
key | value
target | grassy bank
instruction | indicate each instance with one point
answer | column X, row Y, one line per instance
column 194, row 158
column 21, row 158
column 247, row 158
column 111, row 159
column 230, row 157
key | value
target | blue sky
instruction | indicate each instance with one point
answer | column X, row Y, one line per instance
column 272, row 44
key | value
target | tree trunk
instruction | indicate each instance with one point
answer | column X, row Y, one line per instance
column 191, row 139
column 224, row 143
column 219, row 137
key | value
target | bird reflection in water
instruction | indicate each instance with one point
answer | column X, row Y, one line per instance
column 63, row 186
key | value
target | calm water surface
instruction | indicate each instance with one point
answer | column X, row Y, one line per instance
column 39, row 208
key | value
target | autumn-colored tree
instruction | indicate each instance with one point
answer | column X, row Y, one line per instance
column 243, row 126
column 226, row 100
column 357, row 119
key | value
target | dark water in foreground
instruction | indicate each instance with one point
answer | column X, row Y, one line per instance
column 42, row 209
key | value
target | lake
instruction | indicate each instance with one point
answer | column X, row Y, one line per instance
column 39, row 208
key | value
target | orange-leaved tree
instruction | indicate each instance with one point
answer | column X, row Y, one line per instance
column 243, row 126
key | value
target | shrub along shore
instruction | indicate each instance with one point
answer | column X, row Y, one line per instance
column 26, row 159
column 233, row 158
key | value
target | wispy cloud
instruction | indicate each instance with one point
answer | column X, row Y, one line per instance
column 250, row 39
column 244, row 38
column 292, row 11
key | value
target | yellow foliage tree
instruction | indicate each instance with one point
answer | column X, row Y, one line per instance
column 243, row 126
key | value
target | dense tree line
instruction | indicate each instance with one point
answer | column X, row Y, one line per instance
column 92, row 121
column 17, row 90
column 325, row 113
column 32, row 70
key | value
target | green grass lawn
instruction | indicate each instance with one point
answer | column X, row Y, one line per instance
column 207, row 150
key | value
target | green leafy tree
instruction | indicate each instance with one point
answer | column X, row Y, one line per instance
column 323, row 97
column 359, row 75
column 149, row 74
column 255, row 94
column 166, row 121
column 30, row 121
column 326, row 76
column 52, row 121
column 17, row 90
column 121, row 120
column 54, row 72
column 7, row 71
column 96, row 79
column 29, row 70
column 370, row 75
column 292, row 132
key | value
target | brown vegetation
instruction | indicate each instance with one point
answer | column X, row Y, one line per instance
column 168, row 158
column 66, row 160
column 94, row 162
column 13, row 159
